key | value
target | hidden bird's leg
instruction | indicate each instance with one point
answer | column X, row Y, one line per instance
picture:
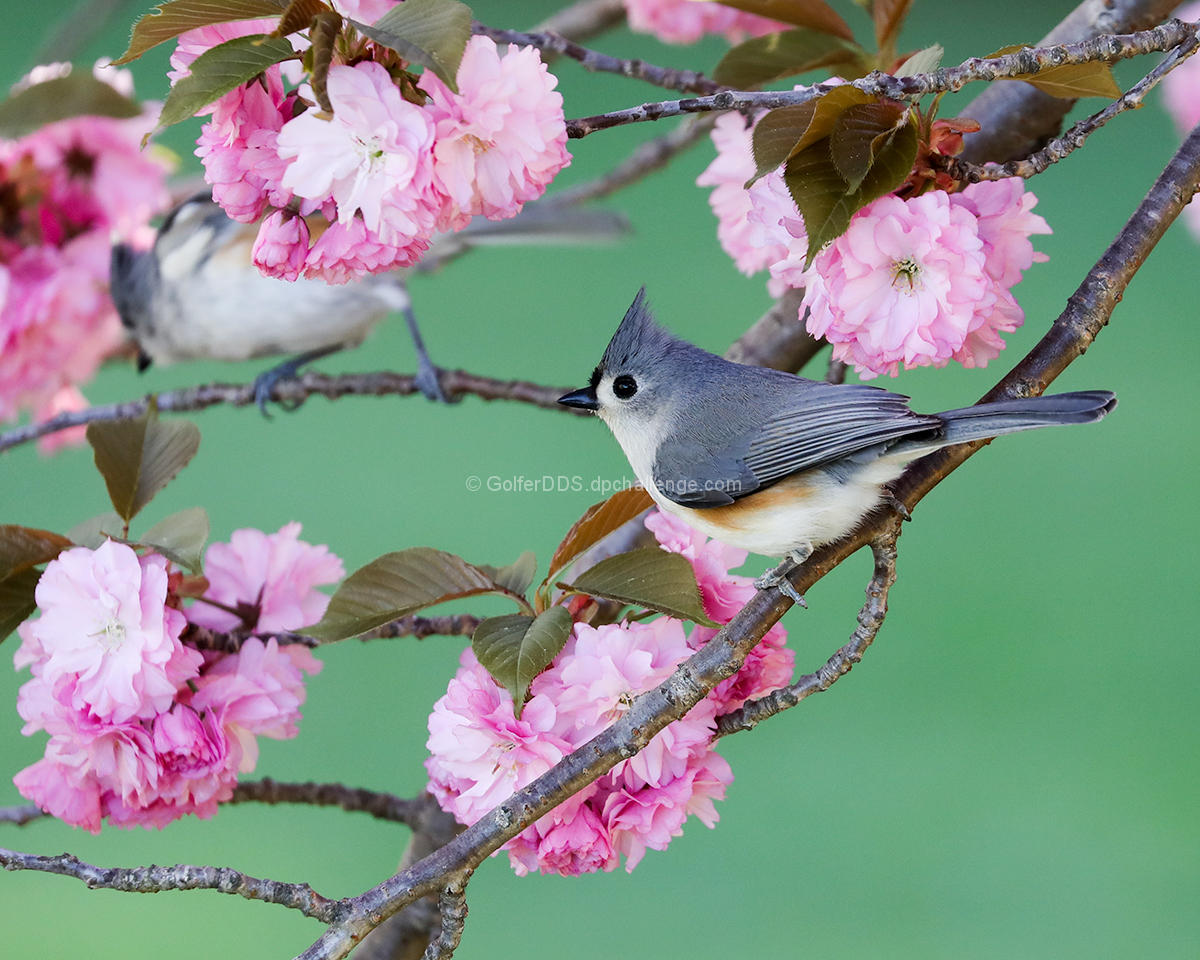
column 266, row 381
column 777, row 575
column 427, row 373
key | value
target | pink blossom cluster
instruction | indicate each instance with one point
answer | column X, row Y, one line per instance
column 1181, row 95
column 68, row 188
column 916, row 282
column 383, row 172
column 144, row 728
column 686, row 21
column 481, row 754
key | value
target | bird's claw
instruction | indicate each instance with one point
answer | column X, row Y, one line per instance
column 428, row 381
column 266, row 382
column 777, row 577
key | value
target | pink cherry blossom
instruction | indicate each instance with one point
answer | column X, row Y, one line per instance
column 901, row 285
column 191, row 44
column 373, row 157
column 276, row 574
column 480, row 752
column 105, row 631
column 281, row 246
column 686, row 21
column 501, row 139
column 345, row 252
column 570, row 840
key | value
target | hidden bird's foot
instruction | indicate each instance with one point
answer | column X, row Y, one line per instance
column 266, row 382
column 777, row 576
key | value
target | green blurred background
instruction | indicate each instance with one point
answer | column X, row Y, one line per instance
column 1012, row 772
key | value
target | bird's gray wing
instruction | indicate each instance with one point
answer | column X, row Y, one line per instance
column 828, row 422
column 696, row 474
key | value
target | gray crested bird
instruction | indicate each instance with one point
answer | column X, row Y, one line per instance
column 771, row 462
column 196, row 294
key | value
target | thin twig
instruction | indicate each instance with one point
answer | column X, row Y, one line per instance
column 23, row 814
column 295, row 896
column 685, row 81
column 451, row 625
column 455, row 384
column 870, row 619
column 646, row 158
column 381, row 806
column 1024, row 63
column 1060, row 147
column 452, row 906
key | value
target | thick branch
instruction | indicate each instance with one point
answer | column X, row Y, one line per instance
column 1073, row 139
column 455, row 384
column 778, row 339
column 452, row 905
column 295, row 896
column 1017, row 118
column 870, row 619
column 685, row 81
column 1026, row 62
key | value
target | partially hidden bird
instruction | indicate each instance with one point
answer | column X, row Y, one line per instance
column 771, row 462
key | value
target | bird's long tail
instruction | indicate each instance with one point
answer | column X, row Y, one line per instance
column 987, row 420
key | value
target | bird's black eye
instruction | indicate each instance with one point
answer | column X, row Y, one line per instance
column 624, row 387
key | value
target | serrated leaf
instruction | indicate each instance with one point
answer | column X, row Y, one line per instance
column 923, row 61
column 298, row 15
column 649, row 577
column 888, row 16
column 169, row 20
column 823, row 196
column 860, row 132
column 394, row 586
column 180, row 537
column 92, row 533
column 78, row 94
column 516, row 648
column 217, row 71
column 1069, row 81
column 17, row 599
column 433, row 33
column 25, row 547
column 774, row 56
column 137, row 458
column 597, row 522
column 813, row 14
column 517, row 576
column 776, row 133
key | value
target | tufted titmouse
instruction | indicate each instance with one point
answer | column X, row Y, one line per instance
column 196, row 294
column 770, row 462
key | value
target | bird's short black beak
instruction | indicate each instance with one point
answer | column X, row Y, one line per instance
column 584, row 399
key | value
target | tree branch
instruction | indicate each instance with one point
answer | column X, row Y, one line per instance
column 23, row 814
column 779, row 338
column 455, row 384
column 295, row 896
column 584, row 19
column 452, row 905
column 451, row 625
column 1016, row 118
column 381, row 806
column 1028, row 62
column 1073, row 139
column 685, row 81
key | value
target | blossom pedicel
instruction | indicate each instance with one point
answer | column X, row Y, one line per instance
column 143, row 728
column 481, row 754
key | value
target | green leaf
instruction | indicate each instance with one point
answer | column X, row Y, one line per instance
column 16, row 599
column 517, row 576
column 25, row 547
column 765, row 59
column 92, row 533
column 923, row 61
column 790, row 130
column 888, row 16
column 860, row 132
column 217, row 71
column 396, row 585
column 813, row 14
column 180, row 537
column 516, row 648
column 170, row 19
column 433, row 33
column 597, row 522
column 298, row 16
column 1069, row 81
column 78, row 94
column 648, row 577
column 137, row 458
column 824, row 197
